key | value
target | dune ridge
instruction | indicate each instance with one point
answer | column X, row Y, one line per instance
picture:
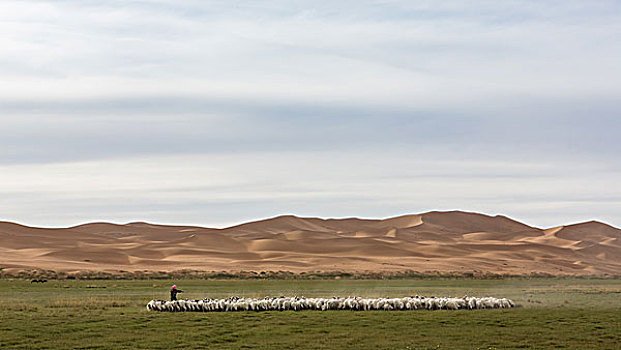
column 454, row 241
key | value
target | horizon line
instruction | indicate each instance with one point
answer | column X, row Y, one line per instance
column 283, row 215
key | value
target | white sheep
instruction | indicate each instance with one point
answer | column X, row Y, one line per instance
column 335, row 303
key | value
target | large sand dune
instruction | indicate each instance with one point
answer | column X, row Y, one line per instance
column 435, row 241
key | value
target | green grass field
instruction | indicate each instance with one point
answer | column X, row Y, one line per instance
column 553, row 313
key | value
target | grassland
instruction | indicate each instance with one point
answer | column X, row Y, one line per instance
column 554, row 313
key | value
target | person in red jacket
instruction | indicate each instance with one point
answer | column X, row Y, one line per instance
column 173, row 292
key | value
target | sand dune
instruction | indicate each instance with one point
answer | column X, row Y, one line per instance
column 436, row 241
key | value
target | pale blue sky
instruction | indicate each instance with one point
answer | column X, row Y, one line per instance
column 217, row 112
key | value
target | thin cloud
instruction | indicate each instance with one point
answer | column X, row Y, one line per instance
column 164, row 110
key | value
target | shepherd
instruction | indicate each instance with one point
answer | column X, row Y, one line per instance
column 173, row 292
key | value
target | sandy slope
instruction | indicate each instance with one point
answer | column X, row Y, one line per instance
column 436, row 241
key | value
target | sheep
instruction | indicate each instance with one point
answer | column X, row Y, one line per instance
column 505, row 303
column 335, row 303
column 452, row 304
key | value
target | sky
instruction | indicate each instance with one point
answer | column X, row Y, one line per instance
column 213, row 113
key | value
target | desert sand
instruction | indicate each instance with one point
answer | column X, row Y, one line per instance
column 436, row 241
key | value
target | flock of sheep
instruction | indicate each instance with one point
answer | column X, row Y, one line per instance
column 334, row 303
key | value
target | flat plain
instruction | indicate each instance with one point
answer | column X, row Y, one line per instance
column 552, row 313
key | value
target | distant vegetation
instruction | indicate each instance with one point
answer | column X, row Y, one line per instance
column 273, row 275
